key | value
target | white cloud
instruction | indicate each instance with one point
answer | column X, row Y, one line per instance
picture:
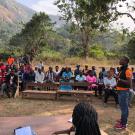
column 46, row 6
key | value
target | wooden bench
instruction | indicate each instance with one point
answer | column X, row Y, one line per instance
column 35, row 94
column 42, row 86
column 77, row 95
column 73, row 84
column 54, row 93
column 46, row 91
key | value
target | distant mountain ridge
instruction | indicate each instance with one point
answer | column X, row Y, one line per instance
column 12, row 12
column 12, row 15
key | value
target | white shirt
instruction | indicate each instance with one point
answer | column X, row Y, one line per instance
column 39, row 77
column 111, row 82
column 80, row 78
column 56, row 73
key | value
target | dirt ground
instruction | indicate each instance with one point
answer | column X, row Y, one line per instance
column 44, row 108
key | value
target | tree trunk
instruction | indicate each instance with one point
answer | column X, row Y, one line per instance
column 85, row 43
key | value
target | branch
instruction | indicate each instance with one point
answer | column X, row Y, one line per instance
column 128, row 14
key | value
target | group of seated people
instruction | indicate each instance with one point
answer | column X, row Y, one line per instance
column 104, row 83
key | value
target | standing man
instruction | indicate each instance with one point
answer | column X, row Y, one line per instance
column 123, row 86
column 10, row 60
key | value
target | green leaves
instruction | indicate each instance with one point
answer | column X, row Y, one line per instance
column 34, row 34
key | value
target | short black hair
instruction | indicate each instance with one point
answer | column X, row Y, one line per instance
column 126, row 59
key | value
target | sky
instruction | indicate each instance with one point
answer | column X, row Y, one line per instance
column 48, row 7
column 41, row 5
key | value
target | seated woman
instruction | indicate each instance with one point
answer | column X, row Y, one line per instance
column 85, row 121
column 110, row 84
column 85, row 70
column 66, row 77
column 91, row 79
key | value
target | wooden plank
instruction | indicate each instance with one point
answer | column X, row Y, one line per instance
column 34, row 94
column 42, row 85
column 75, row 92
column 75, row 83
column 77, row 95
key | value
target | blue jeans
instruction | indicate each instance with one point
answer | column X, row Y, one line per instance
column 123, row 97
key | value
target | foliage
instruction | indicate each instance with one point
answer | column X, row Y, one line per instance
column 97, row 51
column 85, row 15
column 130, row 47
column 34, row 35
column 49, row 54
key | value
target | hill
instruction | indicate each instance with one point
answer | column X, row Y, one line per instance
column 12, row 15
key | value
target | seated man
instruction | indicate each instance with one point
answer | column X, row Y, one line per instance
column 57, row 73
column 100, row 86
column 10, row 85
column 110, row 84
column 80, row 78
column 94, row 71
column 39, row 76
column 50, row 75
column 77, row 70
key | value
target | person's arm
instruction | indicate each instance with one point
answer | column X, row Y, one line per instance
column 129, row 78
column 95, row 80
column 106, row 83
column 43, row 77
column 67, row 131
column 36, row 78
column 113, row 83
column 77, row 78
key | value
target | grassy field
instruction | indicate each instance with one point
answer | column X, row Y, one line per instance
column 107, row 116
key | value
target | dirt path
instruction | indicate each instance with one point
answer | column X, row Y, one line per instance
column 46, row 117
column 41, row 125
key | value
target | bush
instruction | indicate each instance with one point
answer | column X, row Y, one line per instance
column 97, row 51
column 49, row 55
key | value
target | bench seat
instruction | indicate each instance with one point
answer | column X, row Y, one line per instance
column 76, row 94
column 36, row 94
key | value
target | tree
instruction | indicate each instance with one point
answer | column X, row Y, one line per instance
column 34, row 35
column 130, row 47
column 85, row 16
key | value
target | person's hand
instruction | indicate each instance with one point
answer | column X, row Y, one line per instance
column 108, row 85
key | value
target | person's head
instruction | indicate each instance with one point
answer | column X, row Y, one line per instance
column 112, row 70
column 132, row 69
column 103, row 69
column 86, row 67
column 50, row 69
column 85, row 119
column 124, row 61
column 90, row 73
column 9, row 56
column 36, row 68
column 57, row 68
column 77, row 66
column 66, row 69
column 39, row 70
column 42, row 69
column 110, row 74
column 93, row 68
